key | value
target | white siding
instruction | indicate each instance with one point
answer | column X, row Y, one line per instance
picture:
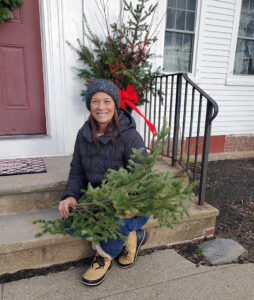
column 215, row 42
column 217, row 23
column 236, row 102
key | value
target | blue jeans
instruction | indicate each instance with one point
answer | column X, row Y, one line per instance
column 114, row 247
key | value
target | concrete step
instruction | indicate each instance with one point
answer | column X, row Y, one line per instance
column 19, row 249
column 31, row 192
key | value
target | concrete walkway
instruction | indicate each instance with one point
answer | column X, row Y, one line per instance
column 161, row 275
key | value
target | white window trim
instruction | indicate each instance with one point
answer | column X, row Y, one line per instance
column 233, row 79
column 162, row 6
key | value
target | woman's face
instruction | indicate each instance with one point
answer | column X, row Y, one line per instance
column 102, row 107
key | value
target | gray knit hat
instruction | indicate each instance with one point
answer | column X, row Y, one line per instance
column 102, row 85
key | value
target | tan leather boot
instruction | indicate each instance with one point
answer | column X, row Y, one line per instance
column 97, row 271
column 129, row 254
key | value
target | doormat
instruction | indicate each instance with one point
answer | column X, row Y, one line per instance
column 22, row 166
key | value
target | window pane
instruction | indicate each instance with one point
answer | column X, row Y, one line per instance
column 180, row 19
column 190, row 18
column 251, row 67
column 191, row 5
column 179, row 45
column 178, row 41
column 251, row 8
column 185, row 62
column 171, row 18
column 240, row 48
column 172, row 3
column 240, row 66
column 243, row 26
column 244, row 57
column 182, row 4
column 244, row 60
column 246, row 27
column 250, row 28
column 187, row 41
column 245, row 6
column 177, row 51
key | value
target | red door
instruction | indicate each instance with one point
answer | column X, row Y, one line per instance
column 21, row 81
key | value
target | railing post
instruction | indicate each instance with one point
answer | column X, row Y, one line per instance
column 177, row 118
column 203, row 176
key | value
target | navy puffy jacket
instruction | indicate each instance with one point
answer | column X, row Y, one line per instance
column 89, row 164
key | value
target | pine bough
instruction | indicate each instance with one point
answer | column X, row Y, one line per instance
column 138, row 191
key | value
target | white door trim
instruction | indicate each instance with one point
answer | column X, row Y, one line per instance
column 52, row 40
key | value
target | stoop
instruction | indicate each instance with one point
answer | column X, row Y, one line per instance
column 25, row 198
column 198, row 225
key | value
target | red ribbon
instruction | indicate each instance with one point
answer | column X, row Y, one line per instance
column 129, row 97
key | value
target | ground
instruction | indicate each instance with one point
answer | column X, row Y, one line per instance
column 230, row 188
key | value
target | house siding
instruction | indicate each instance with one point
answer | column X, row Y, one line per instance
column 215, row 41
column 216, row 33
column 236, row 102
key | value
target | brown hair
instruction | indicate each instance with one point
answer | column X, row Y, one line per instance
column 113, row 127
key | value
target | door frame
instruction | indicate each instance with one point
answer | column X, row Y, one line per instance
column 52, row 45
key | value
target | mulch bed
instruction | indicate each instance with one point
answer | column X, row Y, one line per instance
column 230, row 188
column 28, row 273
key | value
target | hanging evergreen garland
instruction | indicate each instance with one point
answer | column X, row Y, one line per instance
column 6, row 8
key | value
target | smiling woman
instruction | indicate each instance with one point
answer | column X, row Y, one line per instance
column 105, row 142
column 102, row 108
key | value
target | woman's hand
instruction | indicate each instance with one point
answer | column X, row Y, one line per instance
column 65, row 204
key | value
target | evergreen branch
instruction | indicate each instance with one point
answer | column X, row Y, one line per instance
column 140, row 192
column 123, row 56
column 89, row 203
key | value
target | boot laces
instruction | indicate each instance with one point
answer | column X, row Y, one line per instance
column 100, row 260
column 125, row 251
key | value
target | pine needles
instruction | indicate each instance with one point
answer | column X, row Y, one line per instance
column 138, row 191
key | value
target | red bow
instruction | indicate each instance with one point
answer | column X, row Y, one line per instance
column 129, row 97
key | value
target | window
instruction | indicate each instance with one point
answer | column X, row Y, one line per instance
column 244, row 58
column 179, row 35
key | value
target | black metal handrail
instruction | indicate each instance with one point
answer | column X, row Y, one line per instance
column 181, row 114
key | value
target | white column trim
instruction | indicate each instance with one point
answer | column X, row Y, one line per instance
column 198, row 41
column 46, row 57
column 51, row 13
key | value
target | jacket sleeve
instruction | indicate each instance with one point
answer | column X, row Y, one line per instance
column 133, row 140
column 77, row 179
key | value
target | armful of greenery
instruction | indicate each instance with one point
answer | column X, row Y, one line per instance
column 139, row 191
